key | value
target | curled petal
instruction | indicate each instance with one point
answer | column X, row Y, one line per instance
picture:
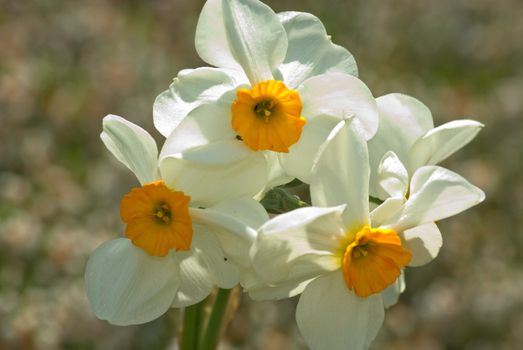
column 435, row 194
column 441, row 142
column 131, row 145
column 402, row 120
column 393, row 179
column 424, row 242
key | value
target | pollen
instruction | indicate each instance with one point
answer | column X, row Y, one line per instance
column 268, row 116
column 373, row 260
column 157, row 218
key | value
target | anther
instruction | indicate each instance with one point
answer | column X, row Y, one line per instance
column 264, row 109
column 360, row 251
column 163, row 213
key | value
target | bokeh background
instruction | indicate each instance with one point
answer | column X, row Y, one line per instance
column 66, row 64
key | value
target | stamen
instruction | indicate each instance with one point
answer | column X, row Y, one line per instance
column 360, row 251
column 264, row 109
column 163, row 213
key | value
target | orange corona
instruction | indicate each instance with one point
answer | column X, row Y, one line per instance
column 157, row 218
column 373, row 260
column 268, row 116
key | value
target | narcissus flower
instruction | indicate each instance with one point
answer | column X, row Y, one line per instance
column 280, row 87
column 173, row 252
column 345, row 261
column 407, row 135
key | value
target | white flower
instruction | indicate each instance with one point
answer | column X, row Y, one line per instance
column 174, row 253
column 406, row 141
column 346, row 262
column 280, row 87
column 406, row 134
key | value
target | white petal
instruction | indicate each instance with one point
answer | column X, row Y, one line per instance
column 403, row 119
column 341, row 175
column 393, row 179
column 205, row 136
column 340, row 95
column 331, row 317
column 222, row 270
column 298, row 162
column 441, row 142
column 190, row 89
column 435, row 194
column 258, row 290
column 219, row 153
column 423, row 242
column 211, row 39
column 210, row 184
column 277, row 174
column 244, row 33
column 311, row 51
column 392, row 293
column 246, row 210
column 386, row 210
column 196, row 282
column 127, row 286
column 298, row 245
column 131, row 145
column 235, row 235
column 204, row 125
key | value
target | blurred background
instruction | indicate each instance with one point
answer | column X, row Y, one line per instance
column 66, row 64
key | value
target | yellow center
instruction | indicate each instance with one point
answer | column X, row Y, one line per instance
column 157, row 218
column 268, row 116
column 373, row 260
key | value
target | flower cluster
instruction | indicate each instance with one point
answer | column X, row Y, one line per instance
column 281, row 102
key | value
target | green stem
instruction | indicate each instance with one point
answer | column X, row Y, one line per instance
column 192, row 319
column 212, row 331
